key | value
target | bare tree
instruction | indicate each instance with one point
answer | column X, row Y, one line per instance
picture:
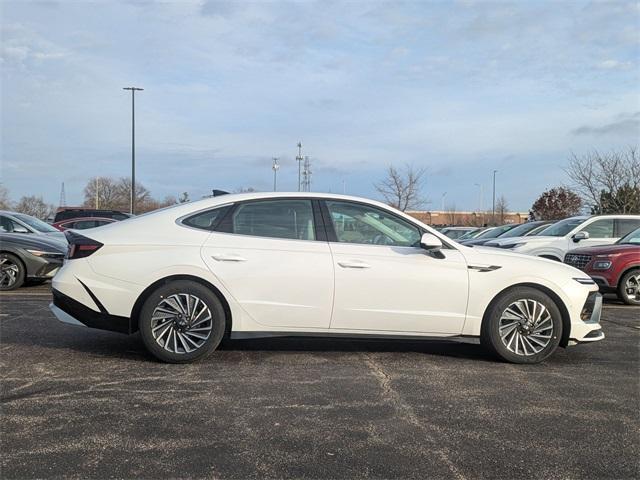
column 556, row 204
column 451, row 214
column 34, row 206
column 607, row 182
column 5, row 202
column 502, row 208
column 101, row 192
column 184, row 198
column 402, row 189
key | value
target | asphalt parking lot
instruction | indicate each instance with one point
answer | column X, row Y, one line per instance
column 84, row 403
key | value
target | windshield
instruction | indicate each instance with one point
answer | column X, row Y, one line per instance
column 563, row 227
column 632, row 238
column 470, row 234
column 495, row 232
column 519, row 231
column 34, row 223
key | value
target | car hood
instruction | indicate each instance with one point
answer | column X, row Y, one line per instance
column 607, row 249
column 41, row 242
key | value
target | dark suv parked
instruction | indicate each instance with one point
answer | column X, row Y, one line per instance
column 66, row 213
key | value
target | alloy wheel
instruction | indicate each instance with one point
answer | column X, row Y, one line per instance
column 181, row 323
column 632, row 287
column 526, row 327
column 8, row 273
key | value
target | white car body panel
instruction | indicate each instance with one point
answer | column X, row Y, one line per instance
column 301, row 286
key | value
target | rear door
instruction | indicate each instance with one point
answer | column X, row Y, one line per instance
column 273, row 258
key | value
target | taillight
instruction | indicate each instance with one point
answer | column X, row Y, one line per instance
column 80, row 246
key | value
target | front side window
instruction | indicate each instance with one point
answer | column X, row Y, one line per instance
column 84, row 224
column 600, row 228
column 290, row 219
column 357, row 223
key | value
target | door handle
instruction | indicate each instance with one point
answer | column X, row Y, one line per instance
column 228, row 258
column 354, row 264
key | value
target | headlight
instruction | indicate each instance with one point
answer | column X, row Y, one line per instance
column 602, row 264
column 42, row 253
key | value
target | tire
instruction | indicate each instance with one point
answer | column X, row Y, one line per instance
column 12, row 272
column 629, row 287
column 529, row 336
column 190, row 336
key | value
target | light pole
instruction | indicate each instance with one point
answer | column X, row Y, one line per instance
column 443, row 195
column 480, row 202
column 133, row 146
column 275, row 168
column 493, row 210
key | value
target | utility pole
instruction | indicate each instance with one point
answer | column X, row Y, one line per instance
column 133, row 146
column 443, row 195
column 63, row 197
column 275, row 168
column 493, row 210
column 299, row 160
column 480, row 213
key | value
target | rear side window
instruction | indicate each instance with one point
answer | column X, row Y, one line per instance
column 83, row 224
column 600, row 228
column 206, row 220
column 291, row 219
column 625, row 226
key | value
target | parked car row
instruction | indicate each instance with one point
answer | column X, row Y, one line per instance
column 607, row 247
column 32, row 251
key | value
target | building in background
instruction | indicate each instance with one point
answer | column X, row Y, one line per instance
column 442, row 218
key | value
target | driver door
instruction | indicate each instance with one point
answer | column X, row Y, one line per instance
column 385, row 282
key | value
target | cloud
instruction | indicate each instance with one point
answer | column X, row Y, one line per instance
column 613, row 65
column 624, row 125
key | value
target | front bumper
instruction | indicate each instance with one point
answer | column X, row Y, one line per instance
column 589, row 329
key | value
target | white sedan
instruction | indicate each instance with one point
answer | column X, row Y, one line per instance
column 265, row 264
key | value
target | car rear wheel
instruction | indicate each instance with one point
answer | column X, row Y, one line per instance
column 181, row 322
column 12, row 272
column 629, row 287
column 524, row 325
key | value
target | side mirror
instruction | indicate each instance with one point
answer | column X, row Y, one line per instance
column 430, row 242
column 580, row 236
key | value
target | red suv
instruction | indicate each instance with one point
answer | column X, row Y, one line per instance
column 615, row 268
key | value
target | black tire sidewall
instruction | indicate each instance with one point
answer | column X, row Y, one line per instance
column 182, row 286
column 622, row 292
column 490, row 331
column 21, row 272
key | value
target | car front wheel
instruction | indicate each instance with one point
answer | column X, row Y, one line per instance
column 524, row 325
column 181, row 322
column 12, row 272
column 629, row 287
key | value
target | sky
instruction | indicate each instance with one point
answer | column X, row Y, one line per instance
column 458, row 88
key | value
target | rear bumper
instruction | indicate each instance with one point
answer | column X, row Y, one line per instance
column 70, row 311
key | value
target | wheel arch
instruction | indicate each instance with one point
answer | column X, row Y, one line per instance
column 564, row 312
column 22, row 262
column 137, row 307
column 627, row 269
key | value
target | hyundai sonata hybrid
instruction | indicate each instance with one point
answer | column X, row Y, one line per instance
column 269, row 264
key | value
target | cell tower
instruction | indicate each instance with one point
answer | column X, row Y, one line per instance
column 299, row 160
column 63, row 197
column 306, row 175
